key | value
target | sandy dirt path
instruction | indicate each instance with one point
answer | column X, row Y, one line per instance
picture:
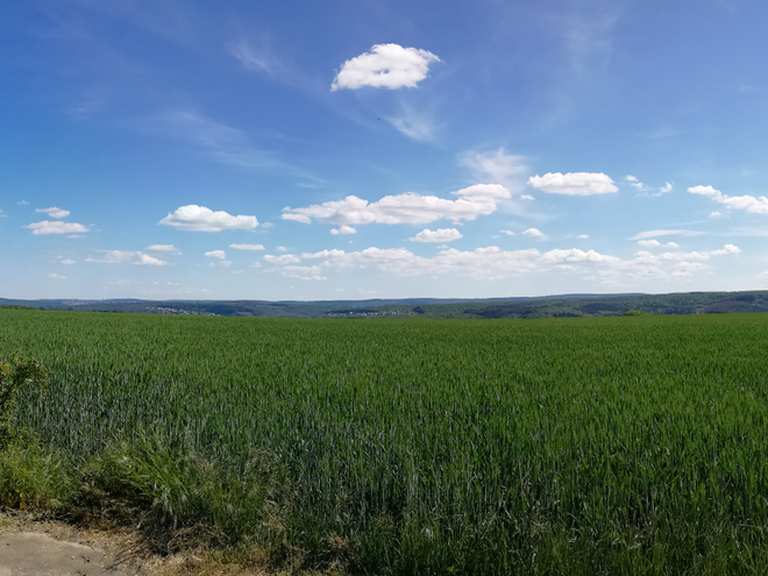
column 40, row 554
column 34, row 547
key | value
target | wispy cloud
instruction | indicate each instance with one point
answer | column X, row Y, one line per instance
column 644, row 190
column 416, row 125
column 588, row 38
column 225, row 144
column 137, row 258
column 247, row 247
column 666, row 232
column 252, row 58
column 221, row 142
column 163, row 248
column 498, row 166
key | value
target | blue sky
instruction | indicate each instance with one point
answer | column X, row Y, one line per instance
column 355, row 149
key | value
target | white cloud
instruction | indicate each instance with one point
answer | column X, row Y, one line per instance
column 641, row 187
column 664, row 232
column 438, row 236
column 634, row 182
column 247, row 247
column 715, row 215
column 385, row 66
column 147, row 260
column 582, row 237
column 218, row 259
column 56, row 276
column 54, row 212
column 492, row 262
column 574, row 183
column 699, row 256
column 653, row 243
column 747, row 203
column 22, row 203
column 534, row 233
column 163, row 248
column 408, row 208
column 343, row 230
column 303, row 272
column 134, row 257
column 202, row 219
column 498, row 165
column 66, row 261
column 57, row 228
column 281, row 259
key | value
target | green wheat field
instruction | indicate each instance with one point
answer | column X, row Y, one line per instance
column 633, row 445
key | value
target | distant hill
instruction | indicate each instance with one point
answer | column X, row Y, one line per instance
column 566, row 305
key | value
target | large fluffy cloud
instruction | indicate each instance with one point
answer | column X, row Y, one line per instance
column 574, row 183
column 385, row 66
column 57, row 228
column 747, row 203
column 408, row 208
column 202, row 219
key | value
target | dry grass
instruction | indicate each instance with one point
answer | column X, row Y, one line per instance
column 130, row 550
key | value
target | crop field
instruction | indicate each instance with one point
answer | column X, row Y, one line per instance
column 633, row 445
